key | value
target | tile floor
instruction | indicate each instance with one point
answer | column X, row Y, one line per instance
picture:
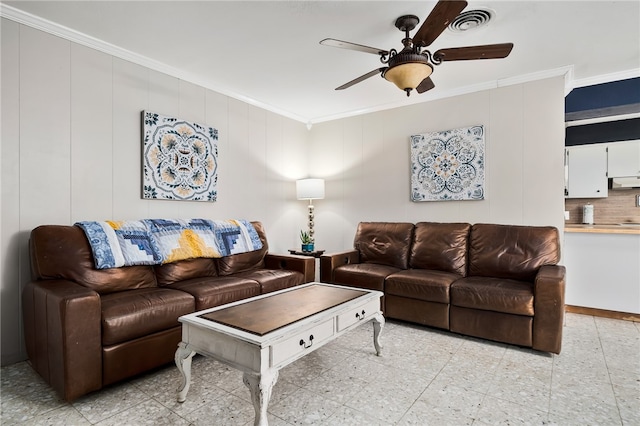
column 424, row 377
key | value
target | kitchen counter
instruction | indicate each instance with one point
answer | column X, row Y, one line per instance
column 602, row 229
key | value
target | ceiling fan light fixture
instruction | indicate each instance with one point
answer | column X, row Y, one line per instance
column 407, row 76
column 411, row 68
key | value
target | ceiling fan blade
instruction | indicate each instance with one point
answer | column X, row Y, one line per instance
column 361, row 78
column 487, row 51
column 353, row 46
column 437, row 21
column 426, row 84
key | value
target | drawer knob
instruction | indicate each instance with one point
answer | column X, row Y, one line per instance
column 360, row 316
column 304, row 344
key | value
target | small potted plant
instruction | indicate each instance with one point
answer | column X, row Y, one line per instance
column 307, row 241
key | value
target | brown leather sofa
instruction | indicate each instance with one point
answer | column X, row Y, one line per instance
column 497, row 282
column 87, row 328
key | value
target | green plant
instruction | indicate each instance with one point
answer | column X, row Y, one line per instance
column 305, row 237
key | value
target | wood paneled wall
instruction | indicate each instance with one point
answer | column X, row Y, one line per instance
column 71, row 151
column 366, row 161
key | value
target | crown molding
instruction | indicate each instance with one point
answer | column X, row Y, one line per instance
column 606, row 78
column 66, row 33
column 488, row 85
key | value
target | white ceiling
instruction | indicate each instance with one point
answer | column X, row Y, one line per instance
column 268, row 53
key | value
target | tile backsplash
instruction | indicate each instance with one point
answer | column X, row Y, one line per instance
column 618, row 207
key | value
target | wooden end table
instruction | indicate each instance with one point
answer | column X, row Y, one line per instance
column 315, row 253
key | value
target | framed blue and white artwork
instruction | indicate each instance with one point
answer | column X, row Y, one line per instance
column 180, row 159
column 448, row 165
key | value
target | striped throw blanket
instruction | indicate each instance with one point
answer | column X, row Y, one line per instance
column 158, row 241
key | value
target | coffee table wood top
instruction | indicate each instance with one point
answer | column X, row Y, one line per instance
column 270, row 313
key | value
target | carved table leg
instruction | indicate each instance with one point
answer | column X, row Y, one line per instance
column 378, row 324
column 260, row 386
column 183, row 362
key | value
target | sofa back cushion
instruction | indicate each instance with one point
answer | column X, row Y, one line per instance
column 63, row 252
column 245, row 261
column 440, row 246
column 384, row 243
column 181, row 270
column 511, row 251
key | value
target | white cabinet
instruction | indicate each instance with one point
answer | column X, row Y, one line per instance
column 586, row 171
column 624, row 159
column 603, row 271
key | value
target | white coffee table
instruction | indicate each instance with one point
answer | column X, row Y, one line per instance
column 261, row 335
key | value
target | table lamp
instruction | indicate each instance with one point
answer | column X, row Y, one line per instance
column 310, row 189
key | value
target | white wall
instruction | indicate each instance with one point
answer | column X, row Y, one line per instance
column 71, row 150
column 366, row 162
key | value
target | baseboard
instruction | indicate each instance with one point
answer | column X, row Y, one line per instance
column 602, row 313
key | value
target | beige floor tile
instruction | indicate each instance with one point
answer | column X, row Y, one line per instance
column 105, row 403
column 305, row 408
column 383, row 401
column 149, row 412
column 584, row 407
column 495, row 411
column 335, row 386
column 346, row 416
column 226, row 410
column 425, row 376
column 460, row 402
column 422, row 413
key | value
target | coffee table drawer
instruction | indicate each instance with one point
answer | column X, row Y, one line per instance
column 358, row 314
column 302, row 342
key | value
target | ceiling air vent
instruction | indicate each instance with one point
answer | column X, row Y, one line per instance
column 470, row 20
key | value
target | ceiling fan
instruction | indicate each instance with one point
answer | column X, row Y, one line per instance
column 411, row 67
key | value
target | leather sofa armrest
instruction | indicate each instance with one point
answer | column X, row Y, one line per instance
column 62, row 328
column 329, row 262
column 303, row 264
column 549, row 290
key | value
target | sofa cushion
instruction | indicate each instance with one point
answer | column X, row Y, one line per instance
column 273, row 279
column 170, row 273
column 384, row 243
column 210, row 292
column 421, row 284
column 63, row 252
column 128, row 359
column 493, row 294
column 364, row 275
column 433, row 314
column 498, row 326
column 245, row 261
column 130, row 314
column 511, row 251
column 440, row 246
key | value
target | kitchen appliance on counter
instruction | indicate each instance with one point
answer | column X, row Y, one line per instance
column 587, row 214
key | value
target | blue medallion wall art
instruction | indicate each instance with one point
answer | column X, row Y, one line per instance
column 448, row 165
column 180, row 159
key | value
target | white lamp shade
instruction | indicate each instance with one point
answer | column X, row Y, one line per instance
column 310, row 189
